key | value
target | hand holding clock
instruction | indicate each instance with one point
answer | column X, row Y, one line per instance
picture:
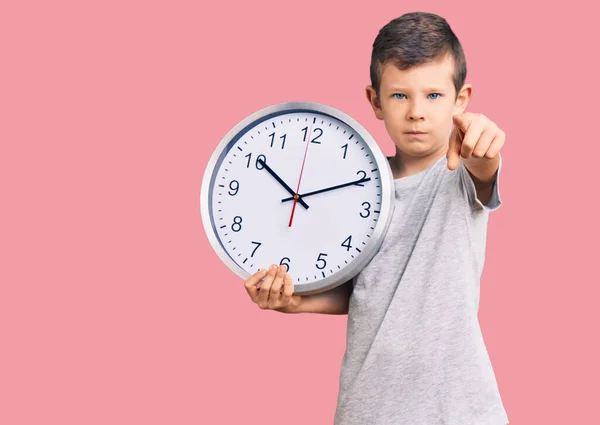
column 276, row 291
column 273, row 290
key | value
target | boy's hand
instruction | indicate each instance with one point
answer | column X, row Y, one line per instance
column 276, row 290
column 474, row 135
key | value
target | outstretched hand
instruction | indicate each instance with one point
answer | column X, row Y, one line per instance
column 474, row 135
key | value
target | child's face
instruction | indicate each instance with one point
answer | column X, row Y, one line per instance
column 422, row 99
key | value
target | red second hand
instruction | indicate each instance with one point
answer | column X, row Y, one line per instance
column 300, row 178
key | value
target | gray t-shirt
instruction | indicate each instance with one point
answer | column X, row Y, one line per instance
column 415, row 354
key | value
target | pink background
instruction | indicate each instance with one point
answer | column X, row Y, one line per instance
column 113, row 307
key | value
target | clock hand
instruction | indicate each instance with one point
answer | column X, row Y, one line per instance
column 289, row 189
column 339, row 186
column 296, row 196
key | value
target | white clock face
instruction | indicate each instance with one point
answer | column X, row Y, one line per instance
column 253, row 210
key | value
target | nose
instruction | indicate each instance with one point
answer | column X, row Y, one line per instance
column 415, row 112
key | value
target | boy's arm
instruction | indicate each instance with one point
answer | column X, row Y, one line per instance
column 334, row 301
column 481, row 195
column 276, row 293
column 477, row 141
column 483, row 172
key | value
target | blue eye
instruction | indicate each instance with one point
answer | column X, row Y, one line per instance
column 432, row 94
column 398, row 94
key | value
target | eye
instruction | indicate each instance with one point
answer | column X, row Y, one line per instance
column 398, row 94
column 435, row 94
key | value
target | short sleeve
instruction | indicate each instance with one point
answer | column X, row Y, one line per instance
column 468, row 187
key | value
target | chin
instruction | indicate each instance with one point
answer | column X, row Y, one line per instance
column 415, row 148
column 418, row 148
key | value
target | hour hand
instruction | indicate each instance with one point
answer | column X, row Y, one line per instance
column 327, row 189
column 289, row 189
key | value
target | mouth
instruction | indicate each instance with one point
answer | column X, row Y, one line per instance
column 415, row 132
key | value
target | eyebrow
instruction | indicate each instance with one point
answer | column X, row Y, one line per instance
column 396, row 89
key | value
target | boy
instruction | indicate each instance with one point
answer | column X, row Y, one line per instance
column 415, row 353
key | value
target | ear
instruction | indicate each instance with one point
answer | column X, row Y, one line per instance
column 463, row 98
column 374, row 102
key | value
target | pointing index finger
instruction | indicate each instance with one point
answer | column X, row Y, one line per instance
column 454, row 148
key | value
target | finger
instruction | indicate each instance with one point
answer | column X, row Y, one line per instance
column 484, row 142
column 288, row 290
column 265, row 287
column 275, row 292
column 496, row 145
column 453, row 154
column 471, row 138
column 252, row 281
column 462, row 121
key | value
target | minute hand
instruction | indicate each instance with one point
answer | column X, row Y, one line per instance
column 327, row 189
